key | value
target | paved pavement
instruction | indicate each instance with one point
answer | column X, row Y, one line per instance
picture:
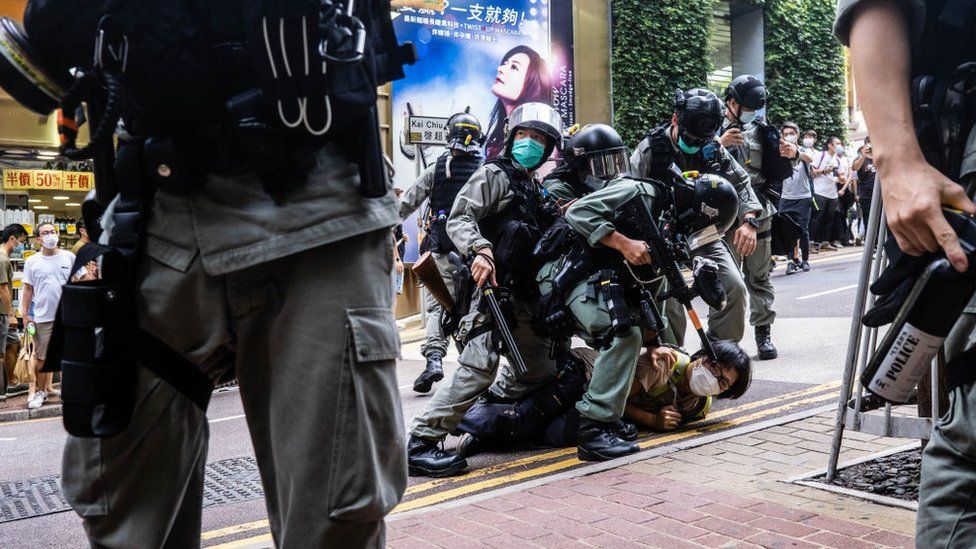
column 811, row 331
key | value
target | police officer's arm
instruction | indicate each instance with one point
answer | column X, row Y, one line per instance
column 878, row 33
column 640, row 161
column 415, row 195
column 739, row 178
column 592, row 217
column 479, row 197
column 559, row 189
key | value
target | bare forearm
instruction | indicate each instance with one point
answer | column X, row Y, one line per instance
column 881, row 64
column 26, row 299
column 638, row 416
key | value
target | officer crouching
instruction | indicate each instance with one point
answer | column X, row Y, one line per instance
column 497, row 218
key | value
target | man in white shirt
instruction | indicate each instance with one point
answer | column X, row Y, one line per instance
column 825, row 168
column 45, row 274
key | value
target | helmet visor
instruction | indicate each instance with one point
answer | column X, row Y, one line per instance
column 609, row 163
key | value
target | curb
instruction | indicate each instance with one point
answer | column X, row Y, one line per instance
column 53, row 410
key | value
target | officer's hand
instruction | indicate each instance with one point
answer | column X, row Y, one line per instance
column 483, row 268
column 635, row 252
column 787, row 149
column 667, row 419
column 914, row 193
column 745, row 240
column 565, row 206
column 732, row 137
column 663, row 357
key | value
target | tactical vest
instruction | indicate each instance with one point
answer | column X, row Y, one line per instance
column 514, row 231
column 450, row 174
column 662, row 153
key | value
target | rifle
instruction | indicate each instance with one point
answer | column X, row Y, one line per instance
column 489, row 296
column 668, row 252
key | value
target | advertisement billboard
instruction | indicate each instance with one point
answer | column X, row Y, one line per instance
column 486, row 56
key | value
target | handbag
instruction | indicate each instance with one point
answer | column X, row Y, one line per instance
column 22, row 369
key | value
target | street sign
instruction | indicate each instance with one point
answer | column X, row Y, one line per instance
column 426, row 130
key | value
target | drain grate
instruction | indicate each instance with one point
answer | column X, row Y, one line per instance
column 227, row 482
column 31, row 498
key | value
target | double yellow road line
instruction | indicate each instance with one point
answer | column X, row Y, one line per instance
column 559, row 460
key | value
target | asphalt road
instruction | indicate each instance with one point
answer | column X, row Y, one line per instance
column 814, row 316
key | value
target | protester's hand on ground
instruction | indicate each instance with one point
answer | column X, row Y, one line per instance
column 914, row 193
column 667, row 419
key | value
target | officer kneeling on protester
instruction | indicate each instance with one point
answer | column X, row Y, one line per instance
column 497, row 218
column 748, row 140
column 669, row 388
column 247, row 234
column 600, row 281
column 441, row 183
column 688, row 140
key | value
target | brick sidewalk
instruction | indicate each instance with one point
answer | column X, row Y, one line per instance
column 729, row 493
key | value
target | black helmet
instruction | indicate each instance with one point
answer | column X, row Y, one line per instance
column 704, row 200
column 539, row 117
column 748, row 91
column 599, row 150
column 464, row 133
column 699, row 116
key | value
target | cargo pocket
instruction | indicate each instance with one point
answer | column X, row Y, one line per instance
column 367, row 474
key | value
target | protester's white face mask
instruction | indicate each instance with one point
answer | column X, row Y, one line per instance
column 49, row 241
column 791, row 138
column 703, row 383
column 808, row 142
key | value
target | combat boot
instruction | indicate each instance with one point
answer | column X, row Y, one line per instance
column 598, row 441
column 764, row 343
column 432, row 374
column 625, row 430
column 425, row 459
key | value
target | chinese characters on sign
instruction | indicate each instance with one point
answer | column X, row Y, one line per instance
column 49, row 180
column 426, row 130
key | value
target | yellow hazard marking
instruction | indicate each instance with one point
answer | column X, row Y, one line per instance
column 442, row 496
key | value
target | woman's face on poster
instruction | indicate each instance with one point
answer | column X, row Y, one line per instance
column 510, row 78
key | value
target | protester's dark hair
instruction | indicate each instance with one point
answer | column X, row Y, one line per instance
column 729, row 353
column 15, row 230
column 791, row 125
column 536, row 88
column 831, row 140
column 811, row 133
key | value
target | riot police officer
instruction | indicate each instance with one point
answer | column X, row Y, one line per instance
column 497, row 217
column 902, row 54
column 688, row 140
column 742, row 136
column 604, row 314
column 441, row 183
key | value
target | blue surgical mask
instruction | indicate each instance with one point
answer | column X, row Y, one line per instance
column 839, row 149
column 19, row 248
column 686, row 148
column 528, row 152
column 747, row 117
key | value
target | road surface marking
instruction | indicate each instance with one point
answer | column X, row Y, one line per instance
column 226, row 418
column 8, row 439
column 834, row 291
column 552, row 467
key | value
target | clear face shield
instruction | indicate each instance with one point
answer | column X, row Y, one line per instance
column 608, row 164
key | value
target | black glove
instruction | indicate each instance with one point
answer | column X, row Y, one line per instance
column 553, row 319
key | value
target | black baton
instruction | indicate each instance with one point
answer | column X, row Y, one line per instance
column 515, row 357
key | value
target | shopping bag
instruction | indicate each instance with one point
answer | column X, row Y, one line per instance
column 23, row 370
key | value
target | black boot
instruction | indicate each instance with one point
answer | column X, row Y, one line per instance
column 433, row 374
column 625, row 430
column 765, row 343
column 598, row 441
column 425, row 459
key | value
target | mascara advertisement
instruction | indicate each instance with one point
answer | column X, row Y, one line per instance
column 489, row 57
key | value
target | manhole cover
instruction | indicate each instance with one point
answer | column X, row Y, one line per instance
column 22, row 499
column 228, row 481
